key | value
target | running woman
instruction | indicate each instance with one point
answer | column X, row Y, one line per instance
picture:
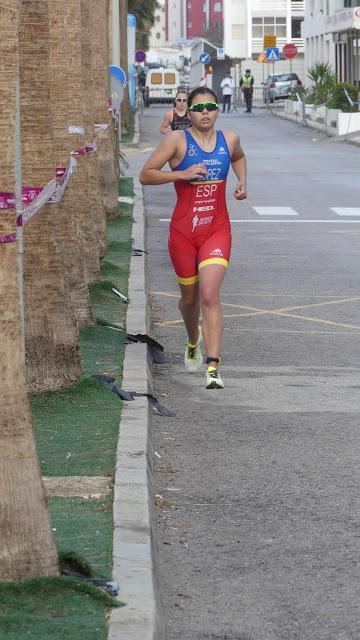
column 200, row 234
column 178, row 118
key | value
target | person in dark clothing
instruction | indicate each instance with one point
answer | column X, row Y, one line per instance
column 247, row 85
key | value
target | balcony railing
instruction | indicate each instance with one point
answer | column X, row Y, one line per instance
column 297, row 7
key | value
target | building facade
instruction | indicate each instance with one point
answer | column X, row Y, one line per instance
column 157, row 36
column 246, row 22
column 331, row 31
column 175, row 21
column 204, row 18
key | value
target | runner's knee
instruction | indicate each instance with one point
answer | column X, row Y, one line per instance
column 210, row 296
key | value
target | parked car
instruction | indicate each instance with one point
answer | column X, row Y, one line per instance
column 280, row 86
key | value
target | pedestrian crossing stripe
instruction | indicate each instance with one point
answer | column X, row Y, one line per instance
column 346, row 211
column 275, row 211
column 288, row 214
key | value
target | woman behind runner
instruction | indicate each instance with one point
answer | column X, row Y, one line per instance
column 177, row 118
column 200, row 234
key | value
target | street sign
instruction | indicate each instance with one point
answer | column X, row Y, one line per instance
column 117, row 93
column 269, row 42
column 272, row 54
column 118, row 73
column 205, row 58
column 220, row 53
column 290, row 51
column 261, row 57
column 140, row 55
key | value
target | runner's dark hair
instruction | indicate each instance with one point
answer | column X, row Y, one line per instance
column 201, row 91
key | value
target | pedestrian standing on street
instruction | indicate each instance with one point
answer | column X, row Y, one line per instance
column 247, row 85
column 177, row 118
column 200, row 233
column 227, row 87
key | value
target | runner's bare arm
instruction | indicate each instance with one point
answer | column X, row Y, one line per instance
column 166, row 122
column 152, row 173
column 238, row 163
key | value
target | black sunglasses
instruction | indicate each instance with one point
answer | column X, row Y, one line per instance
column 181, row 99
column 200, row 106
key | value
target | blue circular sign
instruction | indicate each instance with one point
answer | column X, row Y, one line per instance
column 140, row 55
column 205, row 58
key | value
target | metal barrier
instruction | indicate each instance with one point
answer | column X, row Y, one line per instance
column 157, row 97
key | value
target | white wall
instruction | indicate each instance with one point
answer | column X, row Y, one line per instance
column 235, row 28
column 158, row 28
column 319, row 46
column 238, row 41
column 175, row 21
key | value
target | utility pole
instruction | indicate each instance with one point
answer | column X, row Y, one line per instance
column 115, row 40
column 125, row 105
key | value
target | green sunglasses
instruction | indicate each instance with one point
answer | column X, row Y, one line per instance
column 200, row 106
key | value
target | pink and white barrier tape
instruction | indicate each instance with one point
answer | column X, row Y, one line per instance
column 37, row 197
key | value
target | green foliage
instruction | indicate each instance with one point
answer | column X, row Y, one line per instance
column 145, row 16
column 324, row 79
column 299, row 91
column 55, row 608
column 338, row 98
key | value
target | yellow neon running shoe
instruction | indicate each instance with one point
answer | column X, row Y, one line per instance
column 193, row 357
column 213, row 379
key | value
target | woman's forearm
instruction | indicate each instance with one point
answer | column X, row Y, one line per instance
column 240, row 169
column 156, row 176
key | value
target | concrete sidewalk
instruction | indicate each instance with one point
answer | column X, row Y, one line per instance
column 134, row 549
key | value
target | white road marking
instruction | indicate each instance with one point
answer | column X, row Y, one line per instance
column 346, row 211
column 286, row 221
column 275, row 211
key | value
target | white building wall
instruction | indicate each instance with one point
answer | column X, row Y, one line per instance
column 175, row 21
column 319, row 46
column 247, row 21
column 157, row 36
column 235, row 28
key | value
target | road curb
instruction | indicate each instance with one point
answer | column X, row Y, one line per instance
column 135, row 141
column 317, row 127
column 134, row 548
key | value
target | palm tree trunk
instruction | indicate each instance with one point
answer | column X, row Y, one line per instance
column 26, row 544
column 94, row 177
column 99, row 18
column 52, row 334
column 80, row 180
column 69, row 233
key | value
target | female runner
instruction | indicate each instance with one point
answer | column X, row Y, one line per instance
column 200, row 234
column 178, row 118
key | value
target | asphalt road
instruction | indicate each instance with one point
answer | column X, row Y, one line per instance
column 258, row 485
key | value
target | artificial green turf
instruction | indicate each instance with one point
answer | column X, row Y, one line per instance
column 102, row 351
column 53, row 609
column 126, row 187
column 84, row 528
column 77, row 429
column 77, row 434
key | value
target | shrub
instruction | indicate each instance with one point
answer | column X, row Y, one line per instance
column 324, row 79
column 338, row 99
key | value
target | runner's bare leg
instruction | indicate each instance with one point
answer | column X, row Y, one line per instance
column 189, row 305
column 210, row 279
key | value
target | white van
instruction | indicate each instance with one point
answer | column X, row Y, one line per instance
column 161, row 85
